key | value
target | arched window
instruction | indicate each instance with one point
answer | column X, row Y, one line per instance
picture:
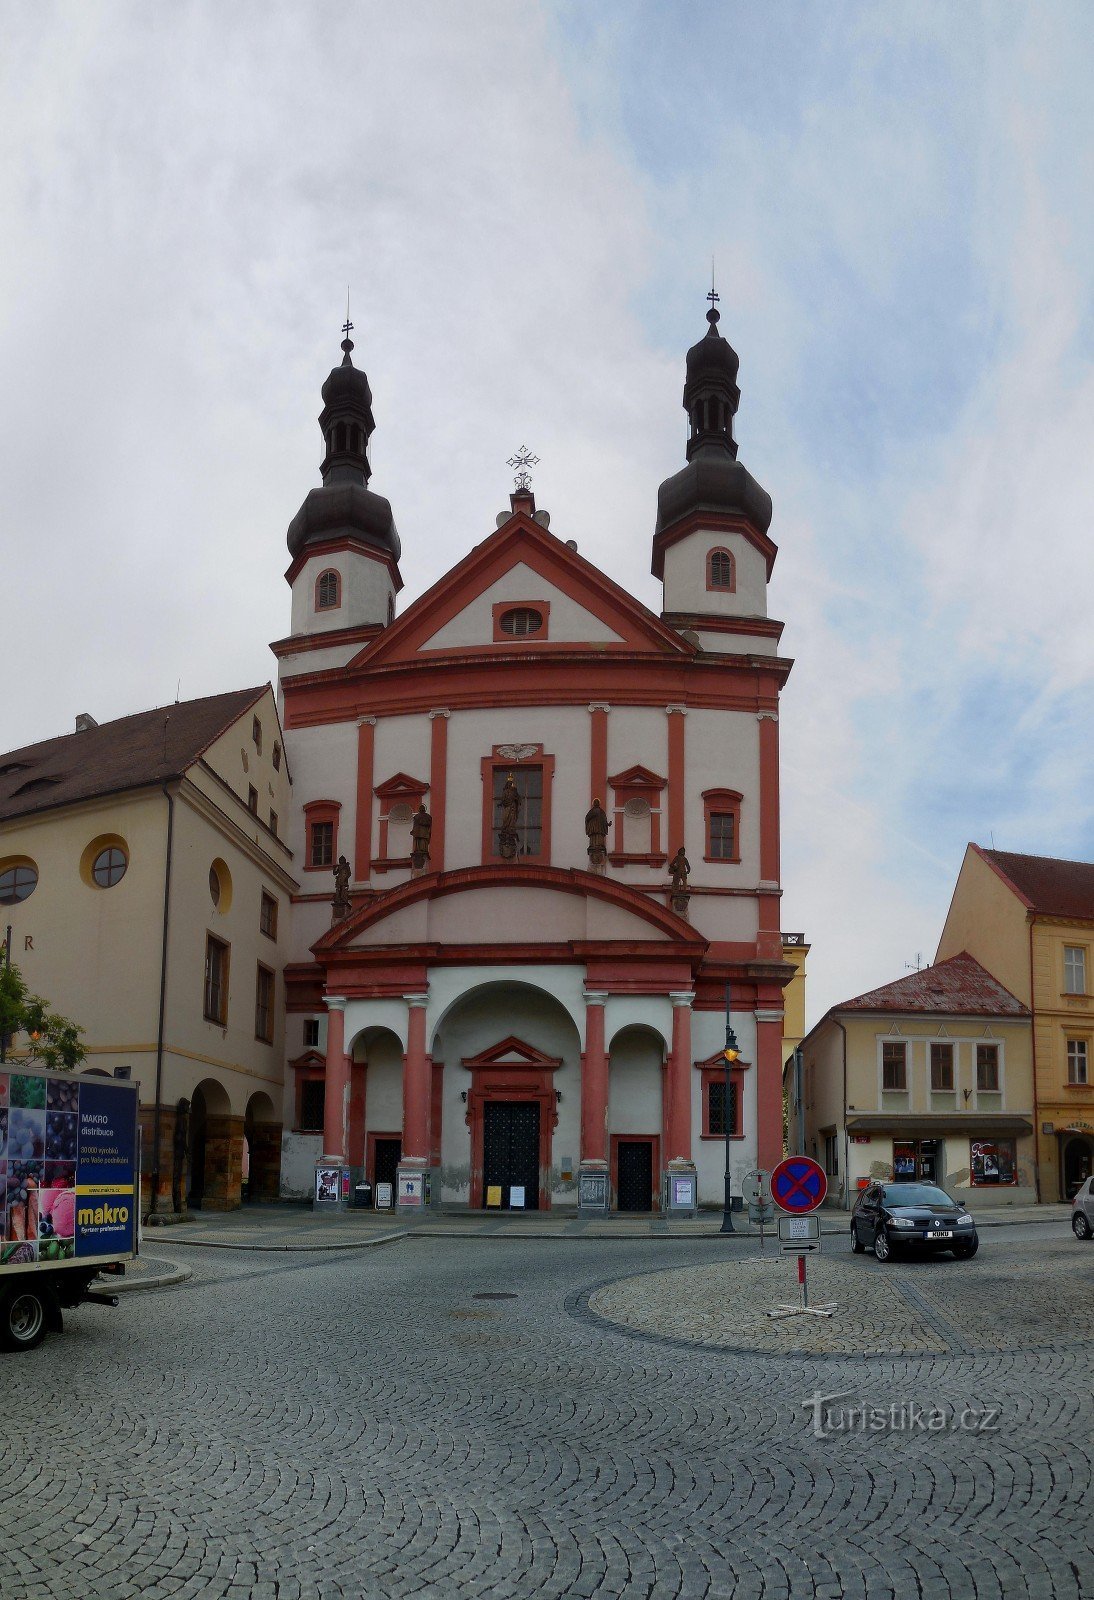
column 328, row 591
column 721, row 573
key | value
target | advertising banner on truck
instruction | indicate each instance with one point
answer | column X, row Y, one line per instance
column 68, row 1168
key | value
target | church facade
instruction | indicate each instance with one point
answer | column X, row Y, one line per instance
column 536, row 828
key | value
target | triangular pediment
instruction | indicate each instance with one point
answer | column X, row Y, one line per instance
column 513, row 1052
column 637, row 777
column 401, row 787
column 718, row 1060
column 522, row 566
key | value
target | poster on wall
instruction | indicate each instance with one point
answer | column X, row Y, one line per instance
column 516, row 1197
column 683, row 1192
column 384, row 1197
column 328, row 1186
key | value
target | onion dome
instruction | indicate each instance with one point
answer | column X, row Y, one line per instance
column 713, row 480
column 345, row 507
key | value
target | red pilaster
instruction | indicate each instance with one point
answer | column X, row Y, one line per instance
column 769, row 797
column 769, row 1088
column 336, row 1079
column 438, row 781
column 362, row 844
column 416, row 1085
column 594, row 1085
column 598, row 753
column 676, row 715
column 679, row 1068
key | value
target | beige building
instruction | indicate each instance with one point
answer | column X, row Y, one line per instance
column 1030, row 921
column 929, row 1077
column 147, row 887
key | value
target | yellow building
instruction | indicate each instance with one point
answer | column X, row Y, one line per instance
column 1030, row 921
column 795, row 952
column 147, row 888
column 929, row 1077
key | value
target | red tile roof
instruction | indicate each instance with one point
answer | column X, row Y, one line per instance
column 128, row 753
column 1055, row 888
column 957, row 987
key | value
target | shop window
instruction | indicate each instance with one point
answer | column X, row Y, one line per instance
column 894, row 1066
column 321, row 834
column 1077, row 1061
column 311, row 1033
column 993, row 1161
column 721, row 571
column 217, row 957
column 722, row 822
column 312, row 1097
column 941, row 1068
column 267, row 916
column 328, row 591
column 987, row 1068
column 264, row 1005
column 1074, row 969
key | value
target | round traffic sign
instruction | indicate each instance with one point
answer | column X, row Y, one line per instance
column 798, row 1184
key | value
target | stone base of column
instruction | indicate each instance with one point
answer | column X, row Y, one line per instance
column 680, row 1194
column 593, row 1188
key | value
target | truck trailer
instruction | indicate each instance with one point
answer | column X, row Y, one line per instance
column 69, row 1195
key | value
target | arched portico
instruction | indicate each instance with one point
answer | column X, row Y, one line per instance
column 261, row 1148
column 215, row 1155
column 637, row 1054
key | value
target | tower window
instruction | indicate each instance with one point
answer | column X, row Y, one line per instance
column 328, row 591
column 721, row 572
column 340, row 436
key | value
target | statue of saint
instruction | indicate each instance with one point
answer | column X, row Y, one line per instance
column 679, row 867
column 596, row 827
column 421, row 830
column 510, row 806
column 341, row 901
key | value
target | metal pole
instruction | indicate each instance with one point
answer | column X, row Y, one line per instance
column 799, row 1108
column 727, row 1210
column 7, row 959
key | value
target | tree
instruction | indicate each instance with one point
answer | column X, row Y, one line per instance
column 52, row 1040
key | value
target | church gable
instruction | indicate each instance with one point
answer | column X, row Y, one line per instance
column 522, row 604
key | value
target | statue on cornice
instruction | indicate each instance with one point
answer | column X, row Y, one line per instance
column 340, row 905
column 596, row 828
column 421, row 831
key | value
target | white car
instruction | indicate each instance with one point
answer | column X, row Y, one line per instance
column 1082, row 1211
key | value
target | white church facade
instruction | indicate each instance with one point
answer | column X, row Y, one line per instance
column 549, row 820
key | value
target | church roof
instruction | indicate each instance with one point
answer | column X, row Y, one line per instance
column 959, row 986
column 1055, row 888
column 108, row 758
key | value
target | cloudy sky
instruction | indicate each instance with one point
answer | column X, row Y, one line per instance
column 525, row 198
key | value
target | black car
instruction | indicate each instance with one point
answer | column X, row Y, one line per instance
column 919, row 1216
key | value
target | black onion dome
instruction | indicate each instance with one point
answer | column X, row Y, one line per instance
column 345, row 507
column 713, row 482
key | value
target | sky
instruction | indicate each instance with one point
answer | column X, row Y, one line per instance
column 525, row 199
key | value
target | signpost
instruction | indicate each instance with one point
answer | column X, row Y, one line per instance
column 798, row 1186
column 761, row 1208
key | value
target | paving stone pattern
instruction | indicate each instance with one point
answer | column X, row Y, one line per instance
column 358, row 1424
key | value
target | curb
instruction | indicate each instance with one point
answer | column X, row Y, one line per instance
column 150, row 1280
column 295, row 1249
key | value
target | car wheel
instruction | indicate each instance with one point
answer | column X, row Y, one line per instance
column 1080, row 1225
column 857, row 1245
column 22, row 1319
column 965, row 1252
column 882, row 1248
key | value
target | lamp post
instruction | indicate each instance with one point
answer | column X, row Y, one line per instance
column 729, row 1056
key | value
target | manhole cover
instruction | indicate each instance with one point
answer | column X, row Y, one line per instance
column 501, row 1295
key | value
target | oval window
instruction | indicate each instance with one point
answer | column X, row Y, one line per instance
column 17, row 883
column 521, row 620
column 220, row 885
column 109, row 866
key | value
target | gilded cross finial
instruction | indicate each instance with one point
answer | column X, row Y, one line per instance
column 521, row 462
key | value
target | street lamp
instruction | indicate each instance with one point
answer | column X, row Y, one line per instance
column 729, row 1055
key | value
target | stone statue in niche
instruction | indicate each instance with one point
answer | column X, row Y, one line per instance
column 421, row 831
column 341, row 903
column 508, row 839
column 679, row 868
column 596, row 828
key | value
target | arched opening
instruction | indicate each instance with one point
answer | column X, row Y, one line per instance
column 636, row 1081
column 375, row 1137
column 1077, row 1165
column 507, row 1098
column 209, row 1156
column 261, row 1149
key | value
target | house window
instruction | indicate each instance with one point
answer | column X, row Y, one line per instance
column 216, row 980
column 722, row 821
column 987, row 1068
column 1074, row 969
column 328, row 591
column 716, row 1108
column 312, row 1097
column 264, row 997
column 311, row 1033
column 321, row 845
column 993, row 1161
column 256, row 734
column 942, row 1068
column 831, row 1154
column 273, row 823
column 109, row 866
column 894, row 1066
column 720, row 571
column 267, row 916
column 321, row 834
column 276, row 756
column 17, row 883
column 525, row 621
column 252, row 799
column 1077, row 1061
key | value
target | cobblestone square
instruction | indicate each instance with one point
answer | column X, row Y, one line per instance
column 458, row 1417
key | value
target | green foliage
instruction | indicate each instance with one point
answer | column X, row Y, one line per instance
column 52, row 1041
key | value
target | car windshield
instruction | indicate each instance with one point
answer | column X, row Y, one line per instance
column 916, row 1194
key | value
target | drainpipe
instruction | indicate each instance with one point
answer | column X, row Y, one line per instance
column 846, row 1137
column 169, row 797
column 799, row 1108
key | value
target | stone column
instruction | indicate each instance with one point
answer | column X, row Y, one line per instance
column 769, row 1088
column 417, row 1076
column 679, row 1163
column 336, row 1081
column 592, row 1178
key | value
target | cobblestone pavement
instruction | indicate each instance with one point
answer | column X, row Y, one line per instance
column 359, row 1424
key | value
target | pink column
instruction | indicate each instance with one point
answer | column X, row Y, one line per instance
column 336, row 1084
column 769, row 1088
column 594, row 1085
column 416, row 1085
column 680, row 1069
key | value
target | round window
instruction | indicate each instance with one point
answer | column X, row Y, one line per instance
column 214, row 885
column 17, row 883
column 109, row 867
column 521, row 620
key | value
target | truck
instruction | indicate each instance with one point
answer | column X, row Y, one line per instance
column 69, row 1195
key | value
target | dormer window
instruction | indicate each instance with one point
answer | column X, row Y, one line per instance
column 527, row 620
column 721, row 572
column 328, row 591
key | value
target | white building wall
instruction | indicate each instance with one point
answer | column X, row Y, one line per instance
column 366, row 587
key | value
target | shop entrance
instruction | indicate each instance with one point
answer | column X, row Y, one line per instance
column 917, row 1159
column 634, row 1175
column 510, row 1152
column 1078, row 1164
